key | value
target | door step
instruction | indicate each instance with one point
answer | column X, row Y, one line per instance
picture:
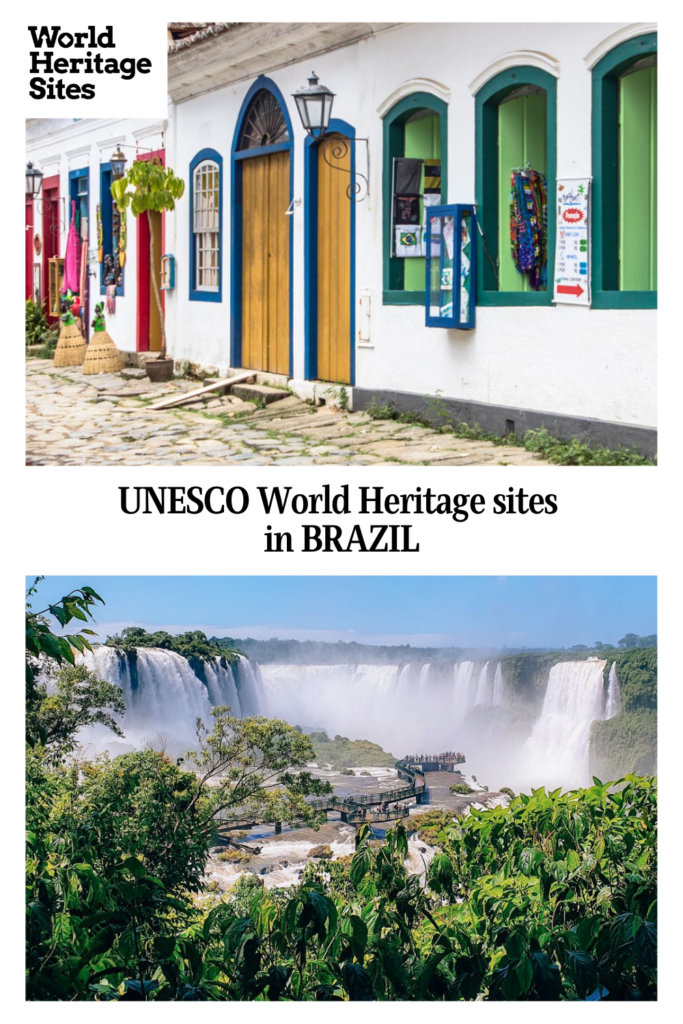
column 259, row 393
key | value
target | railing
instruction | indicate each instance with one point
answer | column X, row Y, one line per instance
column 354, row 808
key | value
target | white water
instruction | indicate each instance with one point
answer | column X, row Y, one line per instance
column 498, row 687
column 613, row 693
column 404, row 708
column 557, row 752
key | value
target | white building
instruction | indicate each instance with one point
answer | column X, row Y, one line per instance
column 277, row 269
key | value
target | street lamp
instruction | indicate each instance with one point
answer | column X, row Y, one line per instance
column 118, row 164
column 315, row 106
column 34, row 180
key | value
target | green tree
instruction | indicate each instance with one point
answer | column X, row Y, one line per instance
column 78, row 699
column 148, row 186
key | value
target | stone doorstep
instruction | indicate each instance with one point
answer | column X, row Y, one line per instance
column 250, row 392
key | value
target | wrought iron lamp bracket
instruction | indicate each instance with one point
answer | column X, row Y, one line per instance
column 337, row 146
column 43, row 205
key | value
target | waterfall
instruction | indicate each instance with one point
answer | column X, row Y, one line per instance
column 557, row 751
column 498, row 687
column 163, row 695
column 404, row 707
column 613, row 706
column 484, row 688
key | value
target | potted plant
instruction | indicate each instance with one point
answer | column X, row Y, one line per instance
column 148, row 185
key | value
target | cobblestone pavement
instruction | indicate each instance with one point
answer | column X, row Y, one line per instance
column 103, row 420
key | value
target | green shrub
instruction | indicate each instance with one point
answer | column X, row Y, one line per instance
column 462, row 788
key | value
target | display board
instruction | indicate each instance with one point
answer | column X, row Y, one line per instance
column 572, row 248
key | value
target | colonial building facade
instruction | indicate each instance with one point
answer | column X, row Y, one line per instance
column 305, row 260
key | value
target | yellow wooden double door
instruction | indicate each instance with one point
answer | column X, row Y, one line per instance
column 265, row 263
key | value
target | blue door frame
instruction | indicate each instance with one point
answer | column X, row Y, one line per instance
column 311, row 251
column 236, row 158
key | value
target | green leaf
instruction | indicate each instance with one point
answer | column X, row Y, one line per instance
column 164, row 946
column 583, row 970
column 358, row 984
column 135, row 866
column 547, row 979
column 645, row 945
column 525, row 974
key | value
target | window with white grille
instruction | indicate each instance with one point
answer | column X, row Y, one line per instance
column 206, row 226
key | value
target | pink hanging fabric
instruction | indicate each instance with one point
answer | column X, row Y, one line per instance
column 72, row 256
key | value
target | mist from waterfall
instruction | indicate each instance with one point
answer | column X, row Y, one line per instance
column 405, row 708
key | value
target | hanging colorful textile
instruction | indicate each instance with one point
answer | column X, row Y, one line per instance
column 71, row 280
column 122, row 240
column 407, row 210
column 111, row 299
column 432, row 172
column 100, row 235
column 528, row 226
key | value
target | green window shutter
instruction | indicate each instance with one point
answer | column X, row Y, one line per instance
column 422, row 142
column 522, row 140
column 638, row 181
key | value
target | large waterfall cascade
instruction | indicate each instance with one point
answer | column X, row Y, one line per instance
column 558, row 748
column 402, row 707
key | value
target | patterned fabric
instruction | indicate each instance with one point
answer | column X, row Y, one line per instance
column 407, row 210
column 408, row 242
column 432, row 171
column 529, row 226
column 111, row 298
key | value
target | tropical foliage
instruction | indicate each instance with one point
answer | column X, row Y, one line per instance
column 191, row 645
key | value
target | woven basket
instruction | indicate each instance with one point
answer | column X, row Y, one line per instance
column 102, row 355
column 71, row 347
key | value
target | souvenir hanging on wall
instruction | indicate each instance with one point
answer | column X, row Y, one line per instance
column 71, row 280
column 122, row 238
column 432, row 171
column 407, row 176
column 408, row 242
column 100, row 235
column 528, row 225
column 407, row 210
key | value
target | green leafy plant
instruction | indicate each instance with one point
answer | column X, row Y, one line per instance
column 146, row 187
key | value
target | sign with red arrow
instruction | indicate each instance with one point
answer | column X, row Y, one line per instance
column 572, row 245
column 570, row 289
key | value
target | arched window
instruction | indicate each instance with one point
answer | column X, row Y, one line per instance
column 624, row 218
column 516, row 118
column 264, row 123
column 415, row 174
column 206, row 214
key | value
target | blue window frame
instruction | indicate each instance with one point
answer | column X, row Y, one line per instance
column 109, row 241
column 451, row 275
column 206, row 226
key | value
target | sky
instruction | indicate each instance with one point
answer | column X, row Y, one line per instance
column 434, row 611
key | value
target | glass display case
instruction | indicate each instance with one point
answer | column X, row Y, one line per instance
column 451, row 253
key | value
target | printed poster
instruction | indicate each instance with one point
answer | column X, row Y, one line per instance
column 572, row 248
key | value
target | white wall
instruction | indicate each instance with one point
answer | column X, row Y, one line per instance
column 62, row 147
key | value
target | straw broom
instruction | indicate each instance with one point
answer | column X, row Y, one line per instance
column 71, row 345
column 102, row 355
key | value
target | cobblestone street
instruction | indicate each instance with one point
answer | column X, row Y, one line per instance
column 103, row 420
